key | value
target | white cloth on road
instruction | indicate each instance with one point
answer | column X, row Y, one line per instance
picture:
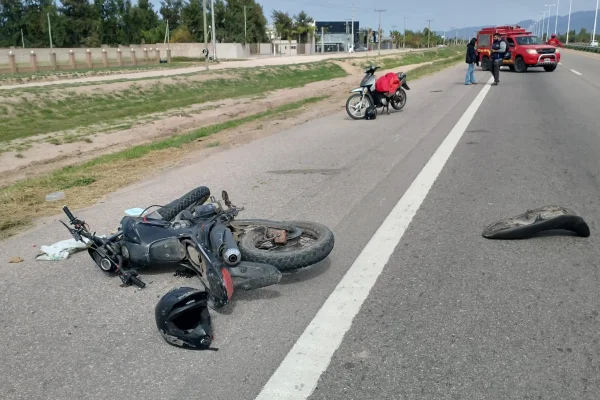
column 61, row 250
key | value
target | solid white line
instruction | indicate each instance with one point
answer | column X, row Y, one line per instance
column 575, row 72
column 298, row 374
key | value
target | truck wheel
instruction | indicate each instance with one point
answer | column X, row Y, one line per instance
column 549, row 68
column 486, row 64
column 520, row 65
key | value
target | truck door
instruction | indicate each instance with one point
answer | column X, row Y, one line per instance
column 511, row 48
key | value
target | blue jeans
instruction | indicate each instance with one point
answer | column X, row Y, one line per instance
column 470, row 78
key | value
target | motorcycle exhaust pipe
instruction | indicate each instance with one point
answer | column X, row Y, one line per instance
column 231, row 255
column 224, row 245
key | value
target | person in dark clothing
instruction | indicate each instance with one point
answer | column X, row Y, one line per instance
column 498, row 51
column 471, row 59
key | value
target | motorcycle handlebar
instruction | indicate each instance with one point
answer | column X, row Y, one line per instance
column 69, row 214
column 138, row 282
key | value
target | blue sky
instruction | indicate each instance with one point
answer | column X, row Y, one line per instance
column 445, row 14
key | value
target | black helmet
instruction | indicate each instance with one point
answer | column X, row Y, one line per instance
column 182, row 318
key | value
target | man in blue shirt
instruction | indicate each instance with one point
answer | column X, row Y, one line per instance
column 498, row 51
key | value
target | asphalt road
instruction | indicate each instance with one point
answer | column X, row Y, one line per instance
column 452, row 315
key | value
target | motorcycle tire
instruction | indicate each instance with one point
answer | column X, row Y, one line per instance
column 348, row 106
column 400, row 104
column 193, row 198
column 288, row 259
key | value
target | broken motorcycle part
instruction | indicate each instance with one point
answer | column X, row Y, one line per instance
column 535, row 221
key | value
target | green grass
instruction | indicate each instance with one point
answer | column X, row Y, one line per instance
column 46, row 113
column 6, row 78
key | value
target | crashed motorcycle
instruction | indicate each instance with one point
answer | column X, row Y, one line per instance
column 368, row 95
column 225, row 253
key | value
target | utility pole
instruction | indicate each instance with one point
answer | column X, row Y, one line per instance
column 245, row 39
column 404, row 35
column 352, row 30
column 214, row 35
column 549, row 11
column 205, row 34
column 428, row 31
column 569, row 23
column 379, row 33
column 22, row 39
column 49, row 30
column 556, row 19
column 595, row 21
column 322, row 41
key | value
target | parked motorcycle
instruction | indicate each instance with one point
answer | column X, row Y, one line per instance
column 224, row 252
column 368, row 93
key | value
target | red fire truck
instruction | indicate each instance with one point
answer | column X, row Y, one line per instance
column 527, row 50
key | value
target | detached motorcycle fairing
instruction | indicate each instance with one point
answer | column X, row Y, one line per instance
column 535, row 221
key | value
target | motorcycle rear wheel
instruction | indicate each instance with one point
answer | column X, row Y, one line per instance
column 398, row 102
column 296, row 253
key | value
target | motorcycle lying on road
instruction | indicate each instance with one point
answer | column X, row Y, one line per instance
column 368, row 92
column 223, row 252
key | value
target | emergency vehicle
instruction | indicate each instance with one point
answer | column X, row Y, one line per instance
column 527, row 50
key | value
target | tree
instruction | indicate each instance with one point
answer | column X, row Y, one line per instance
column 182, row 35
column 171, row 12
column 233, row 22
column 302, row 25
column 192, row 16
column 80, row 15
column 283, row 24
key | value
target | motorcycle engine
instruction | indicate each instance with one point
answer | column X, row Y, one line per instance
column 383, row 101
column 180, row 224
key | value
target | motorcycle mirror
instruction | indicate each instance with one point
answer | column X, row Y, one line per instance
column 225, row 198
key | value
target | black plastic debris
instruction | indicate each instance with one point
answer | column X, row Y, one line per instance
column 536, row 221
column 184, row 273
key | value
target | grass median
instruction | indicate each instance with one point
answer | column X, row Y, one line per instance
column 45, row 112
column 410, row 58
column 85, row 183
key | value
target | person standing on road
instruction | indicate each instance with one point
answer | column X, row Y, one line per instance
column 498, row 51
column 471, row 60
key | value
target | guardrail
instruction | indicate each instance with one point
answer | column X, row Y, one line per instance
column 583, row 48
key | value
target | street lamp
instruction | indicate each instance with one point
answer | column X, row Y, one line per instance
column 548, row 28
column 569, row 22
column 595, row 20
column 556, row 19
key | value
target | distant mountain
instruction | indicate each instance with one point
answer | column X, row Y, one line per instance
column 581, row 19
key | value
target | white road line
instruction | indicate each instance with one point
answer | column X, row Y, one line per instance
column 575, row 72
column 298, row 374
